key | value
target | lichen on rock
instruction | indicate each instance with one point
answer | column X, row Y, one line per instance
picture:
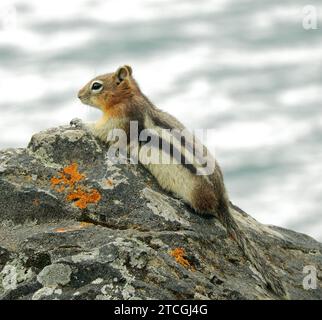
column 69, row 181
column 73, row 225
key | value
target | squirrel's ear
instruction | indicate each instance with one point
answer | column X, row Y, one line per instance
column 123, row 72
column 129, row 69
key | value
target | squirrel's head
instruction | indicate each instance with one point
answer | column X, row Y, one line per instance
column 108, row 90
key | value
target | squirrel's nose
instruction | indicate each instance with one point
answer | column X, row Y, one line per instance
column 79, row 95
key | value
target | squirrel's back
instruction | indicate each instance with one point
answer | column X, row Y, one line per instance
column 199, row 184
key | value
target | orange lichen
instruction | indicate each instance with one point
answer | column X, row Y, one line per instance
column 69, row 179
column 180, row 256
column 62, row 230
column 69, row 176
column 83, row 198
column 81, row 225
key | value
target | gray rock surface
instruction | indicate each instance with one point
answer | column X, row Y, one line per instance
column 74, row 226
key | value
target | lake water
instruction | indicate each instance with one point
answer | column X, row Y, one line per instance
column 248, row 70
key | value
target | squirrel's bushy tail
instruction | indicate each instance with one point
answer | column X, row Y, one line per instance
column 251, row 252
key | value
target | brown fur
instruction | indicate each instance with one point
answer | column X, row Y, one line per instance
column 204, row 199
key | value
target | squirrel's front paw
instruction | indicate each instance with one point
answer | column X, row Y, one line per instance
column 77, row 123
column 86, row 126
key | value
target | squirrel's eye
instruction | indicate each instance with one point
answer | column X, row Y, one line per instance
column 96, row 86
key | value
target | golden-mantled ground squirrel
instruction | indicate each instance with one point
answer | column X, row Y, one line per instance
column 120, row 99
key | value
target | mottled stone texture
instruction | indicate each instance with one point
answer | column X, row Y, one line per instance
column 121, row 246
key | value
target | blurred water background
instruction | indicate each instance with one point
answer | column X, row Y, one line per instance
column 246, row 69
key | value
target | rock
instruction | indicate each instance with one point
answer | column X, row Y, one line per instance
column 54, row 275
column 75, row 226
